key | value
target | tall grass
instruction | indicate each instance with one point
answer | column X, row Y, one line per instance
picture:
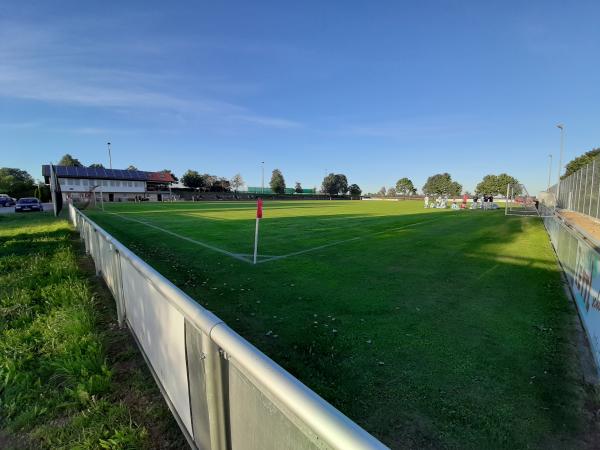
column 56, row 385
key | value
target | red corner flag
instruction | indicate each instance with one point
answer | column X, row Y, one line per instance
column 259, row 205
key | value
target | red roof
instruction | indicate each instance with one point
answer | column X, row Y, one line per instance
column 161, row 177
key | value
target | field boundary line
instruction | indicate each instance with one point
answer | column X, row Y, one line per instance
column 237, row 256
column 242, row 256
column 343, row 241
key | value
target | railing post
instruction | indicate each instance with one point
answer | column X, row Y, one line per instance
column 214, row 395
column 119, row 288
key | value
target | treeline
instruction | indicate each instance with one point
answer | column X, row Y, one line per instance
column 443, row 184
column 19, row 183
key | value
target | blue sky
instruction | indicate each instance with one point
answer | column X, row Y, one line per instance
column 375, row 90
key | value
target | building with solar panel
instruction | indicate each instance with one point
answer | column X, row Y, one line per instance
column 114, row 185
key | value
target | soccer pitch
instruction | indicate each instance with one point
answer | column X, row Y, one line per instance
column 429, row 328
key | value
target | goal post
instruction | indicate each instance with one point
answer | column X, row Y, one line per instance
column 520, row 203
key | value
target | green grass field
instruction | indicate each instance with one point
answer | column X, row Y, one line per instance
column 429, row 328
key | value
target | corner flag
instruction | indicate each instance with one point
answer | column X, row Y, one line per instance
column 259, row 205
column 259, row 214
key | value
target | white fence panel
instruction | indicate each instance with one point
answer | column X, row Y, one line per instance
column 160, row 331
column 581, row 265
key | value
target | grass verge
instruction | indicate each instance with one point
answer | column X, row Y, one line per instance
column 69, row 378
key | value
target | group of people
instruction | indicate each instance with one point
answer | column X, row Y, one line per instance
column 487, row 202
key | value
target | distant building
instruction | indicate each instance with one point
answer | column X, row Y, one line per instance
column 79, row 183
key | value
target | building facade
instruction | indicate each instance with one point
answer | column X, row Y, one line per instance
column 111, row 185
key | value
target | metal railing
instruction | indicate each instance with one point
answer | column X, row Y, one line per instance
column 223, row 392
column 579, row 256
column 580, row 191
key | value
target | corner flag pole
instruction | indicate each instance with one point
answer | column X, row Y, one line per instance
column 259, row 206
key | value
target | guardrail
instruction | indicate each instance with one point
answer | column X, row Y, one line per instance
column 580, row 261
column 223, row 392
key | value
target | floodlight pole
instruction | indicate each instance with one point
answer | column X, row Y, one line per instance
column 549, row 170
column 560, row 159
column 109, row 156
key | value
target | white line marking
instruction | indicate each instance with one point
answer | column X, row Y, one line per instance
column 331, row 244
column 202, row 244
column 240, row 256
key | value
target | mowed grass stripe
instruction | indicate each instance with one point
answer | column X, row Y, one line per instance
column 449, row 334
column 193, row 241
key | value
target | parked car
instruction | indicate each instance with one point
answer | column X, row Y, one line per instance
column 28, row 204
column 6, row 200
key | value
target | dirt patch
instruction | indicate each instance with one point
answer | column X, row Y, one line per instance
column 588, row 225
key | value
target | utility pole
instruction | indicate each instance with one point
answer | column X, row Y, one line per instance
column 109, row 156
column 560, row 159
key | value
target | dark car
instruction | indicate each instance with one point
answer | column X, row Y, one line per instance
column 5, row 200
column 28, row 204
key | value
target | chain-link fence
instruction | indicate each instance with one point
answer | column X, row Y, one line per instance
column 580, row 191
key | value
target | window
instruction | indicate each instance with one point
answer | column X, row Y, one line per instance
column 104, row 183
column 112, row 182
column 84, row 182
column 75, row 182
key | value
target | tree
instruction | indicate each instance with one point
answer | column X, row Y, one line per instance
column 277, row 182
column 132, row 167
column 298, row 188
column 68, row 160
column 208, row 182
column 42, row 192
column 354, row 190
column 97, row 165
column 581, row 161
column 192, row 179
column 334, row 184
column 237, row 182
column 16, row 183
column 405, row 186
column 382, row 191
column 497, row 184
column 442, row 184
column 342, row 182
column 391, row 192
column 221, row 184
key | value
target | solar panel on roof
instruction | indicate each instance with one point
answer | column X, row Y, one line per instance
column 71, row 171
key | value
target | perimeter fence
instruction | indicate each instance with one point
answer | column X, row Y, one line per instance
column 580, row 191
column 223, row 392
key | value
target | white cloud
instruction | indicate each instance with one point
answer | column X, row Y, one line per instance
column 46, row 65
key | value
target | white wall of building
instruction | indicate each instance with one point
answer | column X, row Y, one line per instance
column 108, row 186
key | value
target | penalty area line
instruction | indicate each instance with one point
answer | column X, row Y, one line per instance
column 357, row 238
column 237, row 256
